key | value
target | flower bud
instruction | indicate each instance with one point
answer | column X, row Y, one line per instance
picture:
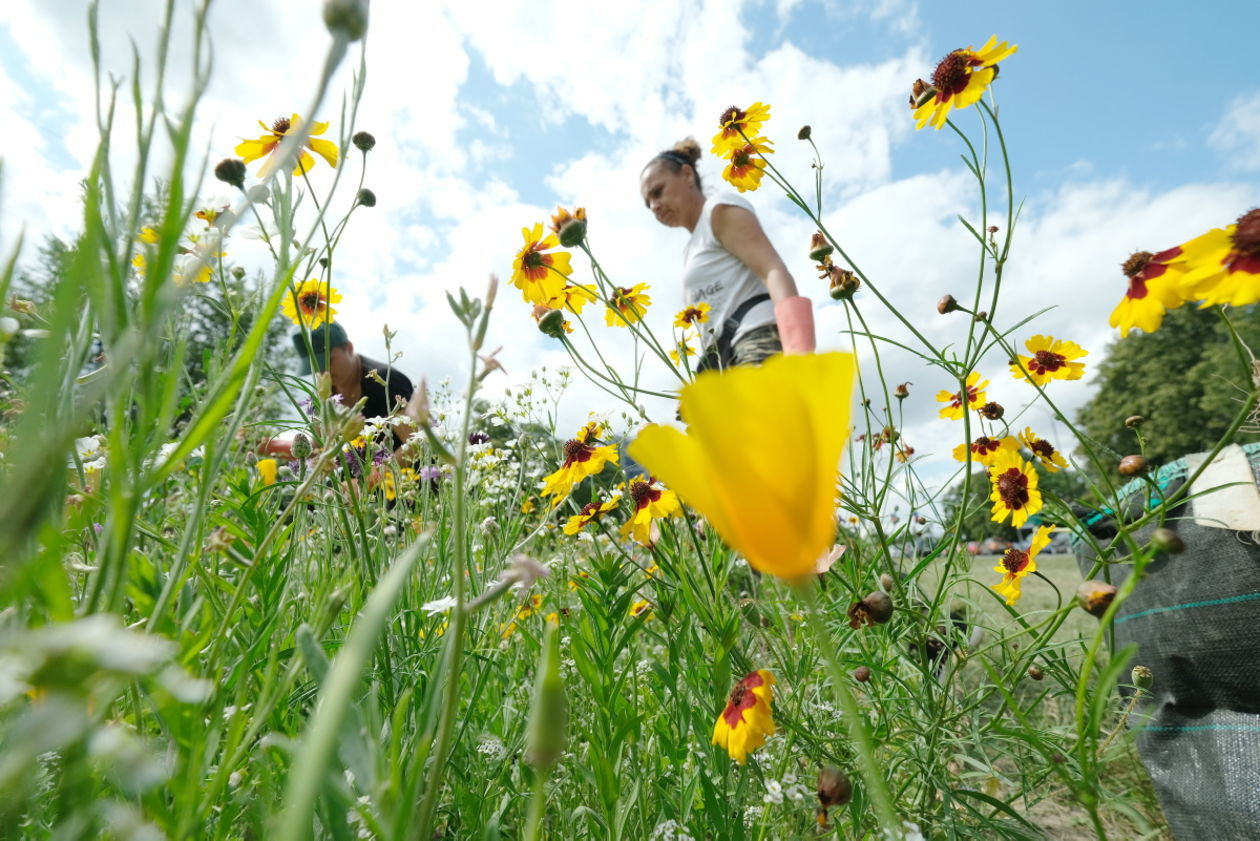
column 834, row 788
column 946, row 305
column 1094, row 597
column 902, row 391
column 862, row 674
column 843, row 283
column 363, row 141
column 569, row 228
column 1035, row 673
column 875, row 609
column 366, row 198
column 301, row 446
column 258, row 194
column 804, row 133
column 323, row 385
column 1133, row 466
column 552, row 324
column 346, row 19
column 887, row 582
column 1167, row 541
column 1143, row 678
column 238, row 272
column 231, row 171
column 1134, row 421
column 992, row 411
column 819, row 248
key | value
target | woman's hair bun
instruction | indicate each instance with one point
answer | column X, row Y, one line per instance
column 688, row 148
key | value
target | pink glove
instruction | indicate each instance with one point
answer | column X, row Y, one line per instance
column 795, row 317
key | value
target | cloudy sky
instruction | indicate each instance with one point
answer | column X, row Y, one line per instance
column 1131, row 126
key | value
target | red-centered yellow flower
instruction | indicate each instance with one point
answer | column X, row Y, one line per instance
column 267, row 470
column 960, row 80
column 1016, row 564
column 1223, row 266
column 540, row 275
column 1154, row 288
column 1052, row 359
column 528, row 506
column 956, row 404
column 761, row 456
column 267, row 146
column 748, row 718
column 985, row 449
column 310, row 303
column 736, row 125
column 590, row 512
column 1051, row 459
column 627, row 306
column 590, row 431
column 1014, row 488
column 573, row 297
column 746, row 167
column 640, row 607
column 684, row 349
column 650, row 503
column 580, row 460
column 692, row 315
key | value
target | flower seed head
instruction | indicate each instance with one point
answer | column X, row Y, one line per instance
column 843, row 283
column 902, row 391
column 552, row 324
column 1167, row 541
column 804, row 133
column 1134, row 421
column 231, row 171
column 946, row 305
column 346, row 19
column 1133, row 465
column 366, row 198
column 1143, row 678
column 862, row 674
column 879, row 606
column 819, row 247
column 1094, row 597
column 363, row 141
column 1247, row 234
column 992, row 411
column 301, row 446
column 887, row 582
column 1035, row 673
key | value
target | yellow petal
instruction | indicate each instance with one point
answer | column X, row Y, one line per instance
column 318, row 128
column 305, row 162
column 326, row 149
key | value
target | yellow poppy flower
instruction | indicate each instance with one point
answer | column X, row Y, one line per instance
column 267, row 470
column 736, row 124
column 1013, row 489
column 537, row 272
column 1154, row 288
column 310, row 303
column 1051, row 459
column 954, row 407
column 960, row 80
column 650, row 503
column 267, row 145
column 985, row 449
column 748, row 718
column 1051, row 360
column 1016, row 564
column 745, row 167
column 627, row 306
column 1223, row 266
column 761, row 455
column 692, row 315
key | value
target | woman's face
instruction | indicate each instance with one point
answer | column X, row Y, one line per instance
column 669, row 194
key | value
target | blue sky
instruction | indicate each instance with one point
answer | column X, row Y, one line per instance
column 1130, row 127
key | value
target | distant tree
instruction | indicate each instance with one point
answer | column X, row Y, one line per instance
column 1185, row 379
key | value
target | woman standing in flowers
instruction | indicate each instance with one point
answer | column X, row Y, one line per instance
column 753, row 309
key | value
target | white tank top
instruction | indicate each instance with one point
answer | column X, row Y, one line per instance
column 720, row 279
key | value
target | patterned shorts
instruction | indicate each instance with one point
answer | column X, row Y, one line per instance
column 753, row 348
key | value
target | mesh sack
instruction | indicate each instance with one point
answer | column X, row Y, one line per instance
column 1196, row 621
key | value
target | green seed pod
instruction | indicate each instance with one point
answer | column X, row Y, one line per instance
column 1143, row 678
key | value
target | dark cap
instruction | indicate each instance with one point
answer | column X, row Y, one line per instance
column 324, row 338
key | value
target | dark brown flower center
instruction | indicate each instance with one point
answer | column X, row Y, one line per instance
column 575, row 451
column 1247, row 234
column 533, row 259
column 1045, row 362
column 310, row 300
column 732, row 117
column 1012, row 487
column 1014, row 560
column 280, row 126
column 691, row 315
column 1042, row 448
column 950, row 76
column 642, row 493
column 1136, row 263
column 742, row 158
column 985, row 445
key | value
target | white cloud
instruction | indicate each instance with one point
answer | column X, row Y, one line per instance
column 1237, row 135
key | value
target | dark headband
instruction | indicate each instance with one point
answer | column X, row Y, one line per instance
column 676, row 157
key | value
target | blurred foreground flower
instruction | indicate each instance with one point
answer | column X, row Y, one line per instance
column 310, row 303
column 1014, row 488
column 760, row 456
column 736, row 125
column 960, row 80
column 538, row 274
column 1017, row 563
column 1051, row 360
column 955, row 408
column 1223, row 266
column 1153, row 290
column 267, row 145
column 748, row 719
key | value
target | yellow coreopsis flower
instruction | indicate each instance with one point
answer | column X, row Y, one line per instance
column 736, row 124
column 1016, row 564
column 650, row 503
column 957, row 404
column 1223, row 266
column 1050, row 458
column 692, row 315
column 310, row 303
column 267, row 470
column 684, row 349
column 748, row 718
column 627, row 306
column 580, row 460
column 761, row 455
column 984, row 449
column 960, row 80
column 1052, row 359
column 590, row 512
column 539, row 273
column 746, row 166
column 572, row 297
column 267, row 145
column 1013, row 489
column 1154, row 288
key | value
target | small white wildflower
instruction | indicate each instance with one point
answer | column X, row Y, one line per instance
column 798, row 792
column 438, row 605
column 774, row 792
column 492, row 748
